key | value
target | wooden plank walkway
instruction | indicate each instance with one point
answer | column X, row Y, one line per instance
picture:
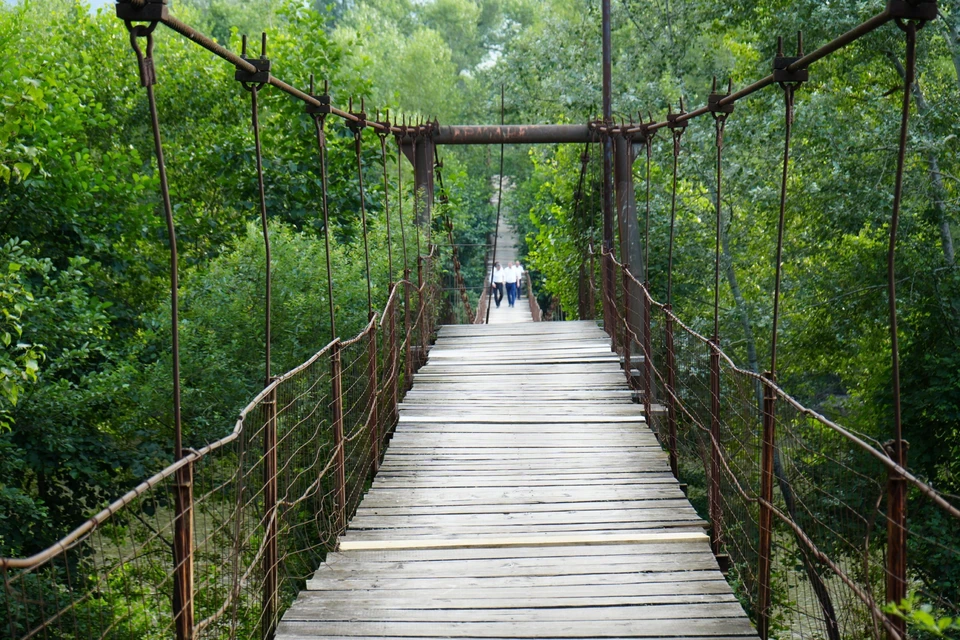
column 522, row 496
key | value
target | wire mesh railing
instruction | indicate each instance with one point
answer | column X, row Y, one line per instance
column 219, row 543
column 805, row 516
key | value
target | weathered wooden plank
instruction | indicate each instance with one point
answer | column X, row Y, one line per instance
column 540, row 628
column 705, row 611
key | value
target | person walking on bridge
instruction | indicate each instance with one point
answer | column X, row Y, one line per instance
column 510, row 278
column 496, row 286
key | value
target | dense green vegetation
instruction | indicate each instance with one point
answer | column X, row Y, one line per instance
column 84, row 360
column 834, row 340
column 84, row 335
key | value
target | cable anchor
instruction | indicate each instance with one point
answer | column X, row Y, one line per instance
column 254, row 79
column 674, row 122
column 782, row 74
column 713, row 101
column 386, row 124
column 148, row 74
column 356, row 126
column 323, row 99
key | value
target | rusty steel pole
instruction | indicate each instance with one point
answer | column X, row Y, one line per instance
column 394, row 362
column 671, row 390
column 183, row 607
column 340, row 466
column 896, row 583
column 607, row 276
column 765, row 552
column 716, row 512
column 373, row 419
column 631, row 251
column 271, row 558
column 421, row 314
column 647, row 358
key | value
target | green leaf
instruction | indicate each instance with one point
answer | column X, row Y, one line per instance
column 925, row 619
column 23, row 169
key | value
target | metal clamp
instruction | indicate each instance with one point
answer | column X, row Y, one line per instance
column 782, row 75
column 673, row 119
column 386, row 124
column 357, row 125
column 781, row 63
column 259, row 77
column 324, row 100
column 713, row 101
column 142, row 11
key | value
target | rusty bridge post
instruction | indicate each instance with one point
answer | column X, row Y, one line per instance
column 394, row 362
column 716, row 512
column 767, row 453
column 896, row 583
column 407, row 363
column 373, row 419
column 271, row 558
column 627, row 343
column 183, row 608
column 340, row 466
column 671, row 392
column 421, row 314
column 647, row 357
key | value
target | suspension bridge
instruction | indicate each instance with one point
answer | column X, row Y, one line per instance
column 617, row 477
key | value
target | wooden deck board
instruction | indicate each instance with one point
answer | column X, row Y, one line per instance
column 522, row 496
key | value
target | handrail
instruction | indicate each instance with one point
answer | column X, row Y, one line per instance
column 876, row 452
column 78, row 534
column 535, row 311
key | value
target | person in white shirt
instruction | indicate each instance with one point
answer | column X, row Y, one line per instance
column 496, row 279
column 510, row 279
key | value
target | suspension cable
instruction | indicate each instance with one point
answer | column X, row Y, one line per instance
column 720, row 115
column 496, row 236
column 386, row 203
column 403, row 233
column 677, row 127
column 648, row 143
column 788, row 82
column 910, row 27
column 253, row 82
column 319, row 119
column 357, row 128
column 148, row 78
column 416, row 204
